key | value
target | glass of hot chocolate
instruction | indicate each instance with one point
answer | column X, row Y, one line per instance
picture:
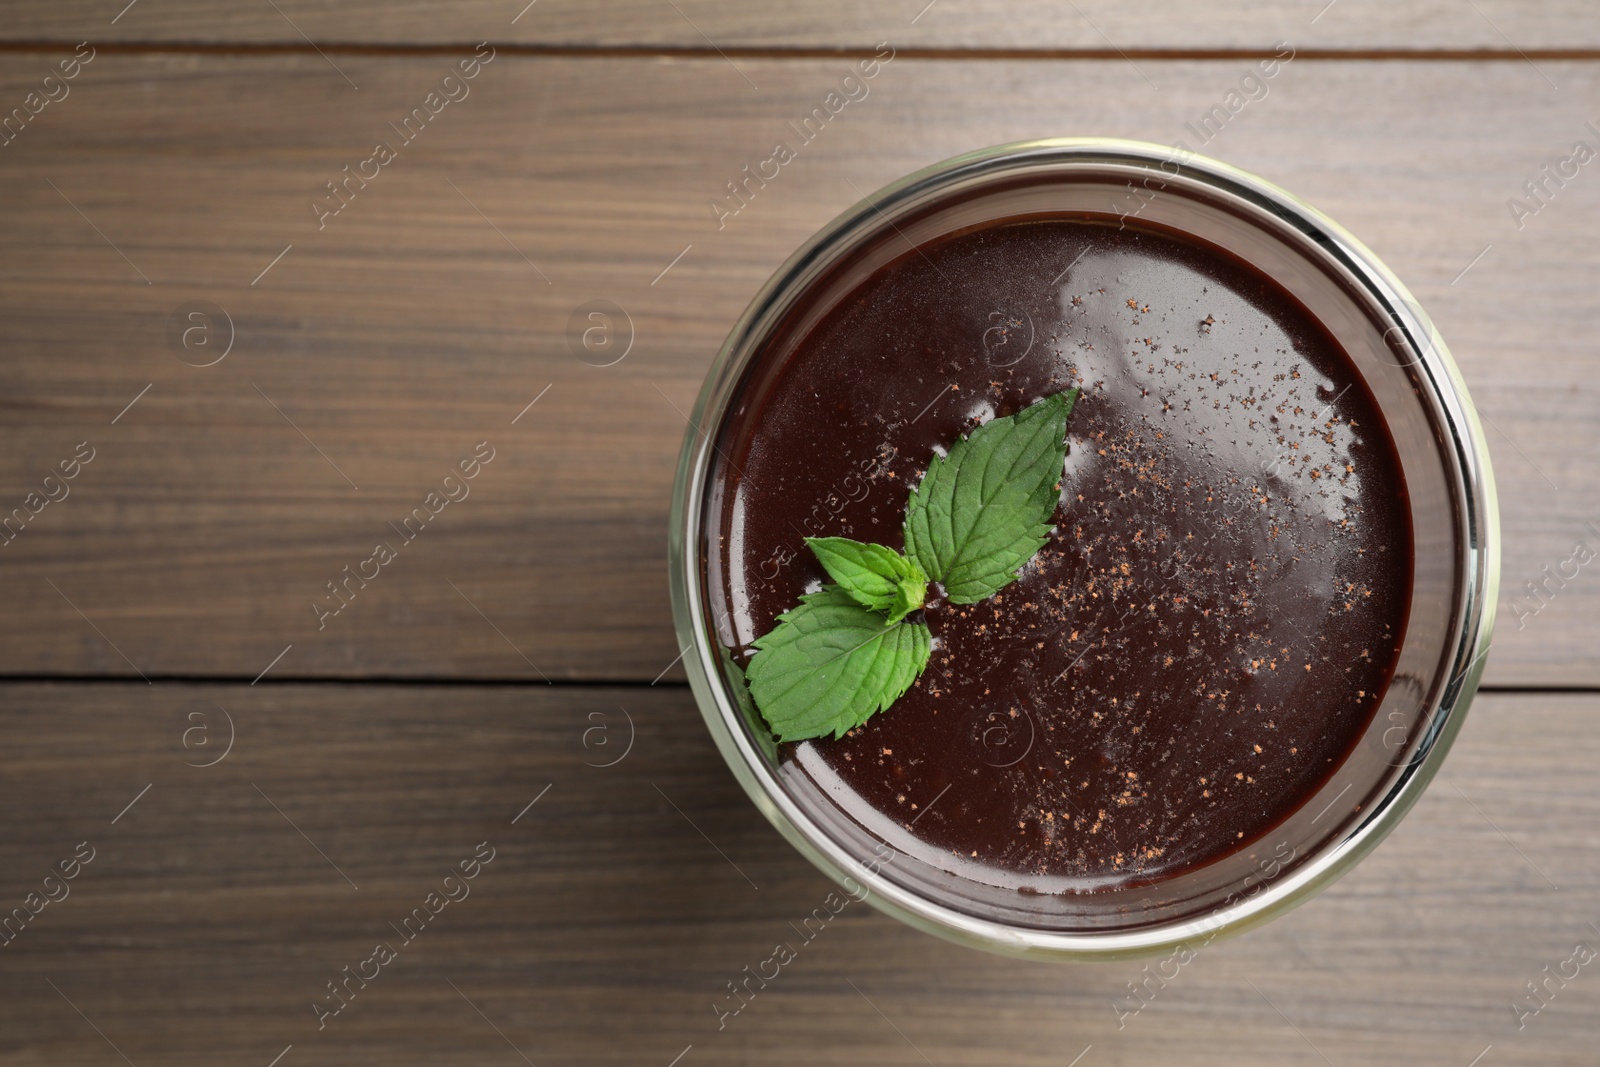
column 1248, row 610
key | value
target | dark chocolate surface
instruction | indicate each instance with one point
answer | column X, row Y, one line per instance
column 1217, row 613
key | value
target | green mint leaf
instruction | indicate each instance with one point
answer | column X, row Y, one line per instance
column 830, row 664
column 875, row 577
column 982, row 511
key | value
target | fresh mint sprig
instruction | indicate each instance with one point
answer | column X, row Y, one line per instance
column 978, row 516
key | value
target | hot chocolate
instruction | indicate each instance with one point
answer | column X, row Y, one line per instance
column 1205, row 634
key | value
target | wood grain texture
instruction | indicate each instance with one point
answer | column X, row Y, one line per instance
column 379, row 350
column 607, row 924
column 1501, row 25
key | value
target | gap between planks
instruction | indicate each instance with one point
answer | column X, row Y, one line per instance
column 353, row 48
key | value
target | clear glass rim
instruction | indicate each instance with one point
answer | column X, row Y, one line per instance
column 1477, row 549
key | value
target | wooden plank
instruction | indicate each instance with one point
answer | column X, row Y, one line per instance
column 379, row 350
column 1137, row 25
column 216, row 908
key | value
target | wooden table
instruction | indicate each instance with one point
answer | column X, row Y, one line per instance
column 267, row 789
